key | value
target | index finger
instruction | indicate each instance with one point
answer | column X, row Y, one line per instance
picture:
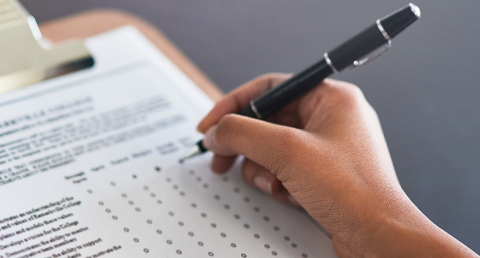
column 240, row 98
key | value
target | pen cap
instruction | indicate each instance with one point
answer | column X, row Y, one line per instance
column 396, row 22
column 373, row 37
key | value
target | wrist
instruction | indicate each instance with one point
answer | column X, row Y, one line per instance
column 409, row 233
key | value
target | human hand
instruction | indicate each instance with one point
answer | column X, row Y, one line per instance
column 326, row 152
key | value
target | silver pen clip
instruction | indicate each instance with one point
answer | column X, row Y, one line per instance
column 376, row 53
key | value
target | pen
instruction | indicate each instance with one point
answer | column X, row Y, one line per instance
column 356, row 51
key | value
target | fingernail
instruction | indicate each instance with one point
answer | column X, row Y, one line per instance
column 207, row 141
column 263, row 184
column 292, row 200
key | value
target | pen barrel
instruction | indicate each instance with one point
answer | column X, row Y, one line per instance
column 357, row 47
column 283, row 94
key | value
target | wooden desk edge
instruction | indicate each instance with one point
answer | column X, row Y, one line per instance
column 90, row 23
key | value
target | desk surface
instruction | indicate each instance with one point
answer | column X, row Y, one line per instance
column 425, row 89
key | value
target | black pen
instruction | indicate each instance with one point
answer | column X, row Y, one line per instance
column 358, row 50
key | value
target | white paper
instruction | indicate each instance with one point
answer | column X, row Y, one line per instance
column 89, row 168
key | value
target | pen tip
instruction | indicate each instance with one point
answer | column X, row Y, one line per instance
column 194, row 151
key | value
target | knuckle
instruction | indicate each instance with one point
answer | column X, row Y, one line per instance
column 226, row 127
column 286, row 141
column 272, row 79
column 346, row 95
column 247, row 171
column 269, row 76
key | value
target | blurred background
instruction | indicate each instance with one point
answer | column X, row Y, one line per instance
column 425, row 89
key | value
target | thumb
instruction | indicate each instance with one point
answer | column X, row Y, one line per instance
column 265, row 143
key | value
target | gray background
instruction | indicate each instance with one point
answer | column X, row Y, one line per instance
column 425, row 89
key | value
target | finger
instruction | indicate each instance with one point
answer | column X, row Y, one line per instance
column 261, row 178
column 220, row 164
column 287, row 118
column 240, row 98
column 284, row 196
column 265, row 143
column 333, row 95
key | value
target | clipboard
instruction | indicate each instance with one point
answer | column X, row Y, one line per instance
column 65, row 36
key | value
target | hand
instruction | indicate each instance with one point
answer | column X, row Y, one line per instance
column 326, row 152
